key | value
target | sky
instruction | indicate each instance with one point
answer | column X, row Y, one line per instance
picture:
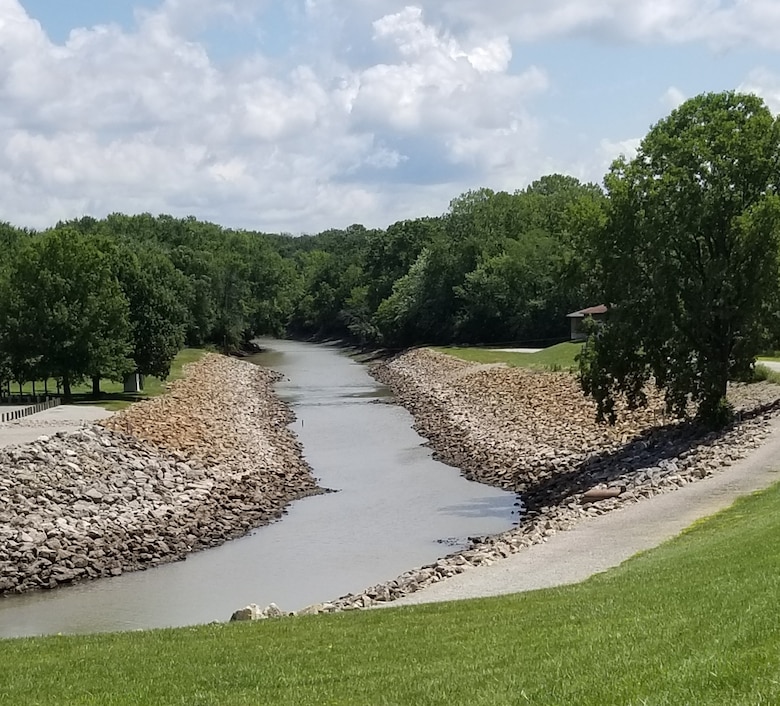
column 302, row 115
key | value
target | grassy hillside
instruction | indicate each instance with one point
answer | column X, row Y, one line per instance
column 692, row 622
column 560, row 357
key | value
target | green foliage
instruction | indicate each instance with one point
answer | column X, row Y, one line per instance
column 691, row 221
column 156, row 293
column 689, row 257
column 179, row 280
column 62, row 311
column 333, row 295
column 692, row 622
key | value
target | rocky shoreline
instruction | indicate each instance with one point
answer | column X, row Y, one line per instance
column 532, row 432
column 205, row 463
column 214, row 458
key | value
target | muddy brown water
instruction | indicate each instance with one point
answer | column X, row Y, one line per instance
column 395, row 509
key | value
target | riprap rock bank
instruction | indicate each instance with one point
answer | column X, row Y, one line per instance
column 202, row 464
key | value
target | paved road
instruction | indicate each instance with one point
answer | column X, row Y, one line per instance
column 50, row 421
column 600, row 543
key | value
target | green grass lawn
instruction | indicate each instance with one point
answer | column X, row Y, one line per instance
column 113, row 397
column 560, row 357
column 695, row 621
column 762, row 372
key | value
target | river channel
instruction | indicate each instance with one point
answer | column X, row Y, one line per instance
column 396, row 508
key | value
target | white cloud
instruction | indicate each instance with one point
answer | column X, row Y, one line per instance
column 610, row 150
column 321, row 135
column 462, row 97
column 117, row 120
column 721, row 23
column 191, row 16
column 673, row 98
column 764, row 83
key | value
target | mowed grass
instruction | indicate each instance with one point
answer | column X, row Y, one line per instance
column 695, row 621
column 560, row 357
column 762, row 372
column 113, row 396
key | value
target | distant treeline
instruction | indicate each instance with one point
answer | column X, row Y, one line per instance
column 95, row 298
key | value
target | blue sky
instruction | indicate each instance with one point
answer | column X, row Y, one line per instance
column 302, row 115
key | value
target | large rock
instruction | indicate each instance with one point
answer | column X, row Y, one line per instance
column 205, row 463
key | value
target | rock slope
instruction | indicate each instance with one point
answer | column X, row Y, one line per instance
column 533, row 432
column 203, row 464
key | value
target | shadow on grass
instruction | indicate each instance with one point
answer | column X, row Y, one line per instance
column 110, row 401
column 654, row 448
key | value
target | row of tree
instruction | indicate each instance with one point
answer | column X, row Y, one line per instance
column 93, row 299
column 496, row 267
column 100, row 298
column 682, row 245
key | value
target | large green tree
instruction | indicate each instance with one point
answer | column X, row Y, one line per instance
column 157, row 295
column 689, row 257
column 62, row 311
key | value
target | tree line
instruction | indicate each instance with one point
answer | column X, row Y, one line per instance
column 92, row 299
column 681, row 244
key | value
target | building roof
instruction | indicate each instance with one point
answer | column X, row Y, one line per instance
column 590, row 311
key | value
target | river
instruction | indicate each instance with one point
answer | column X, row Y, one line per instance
column 396, row 508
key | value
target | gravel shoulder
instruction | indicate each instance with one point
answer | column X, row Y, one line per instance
column 57, row 419
column 603, row 542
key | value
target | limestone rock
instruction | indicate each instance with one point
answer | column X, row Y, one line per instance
column 205, row 463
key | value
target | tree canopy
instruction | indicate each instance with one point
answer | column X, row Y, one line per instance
column 688, row 259
column 62, row 312
column 682, row 245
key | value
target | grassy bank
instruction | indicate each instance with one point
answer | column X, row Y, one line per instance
column 560, row 357
column 692, row 622
column 113, row 397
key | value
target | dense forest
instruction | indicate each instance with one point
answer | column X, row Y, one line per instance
column 99, row 298
column 95, row 298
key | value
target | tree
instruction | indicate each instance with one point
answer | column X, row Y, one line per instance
column 63, row 312
column 389, row 255
column 689, row 258
column 156, row 292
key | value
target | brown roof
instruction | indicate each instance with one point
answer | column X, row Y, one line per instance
column 590, row 311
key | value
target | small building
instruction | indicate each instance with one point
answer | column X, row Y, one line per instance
column 134, row 382
column 577, row 318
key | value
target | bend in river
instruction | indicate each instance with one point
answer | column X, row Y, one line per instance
column 396, row 508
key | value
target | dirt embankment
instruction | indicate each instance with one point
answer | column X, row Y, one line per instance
column 205, row 463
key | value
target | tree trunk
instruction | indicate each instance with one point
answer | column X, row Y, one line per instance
column 66, row 388
column 714, row 409
column 96, row 385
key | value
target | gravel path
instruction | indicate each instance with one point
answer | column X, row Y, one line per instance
column 599, row 543
column 50, row 421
